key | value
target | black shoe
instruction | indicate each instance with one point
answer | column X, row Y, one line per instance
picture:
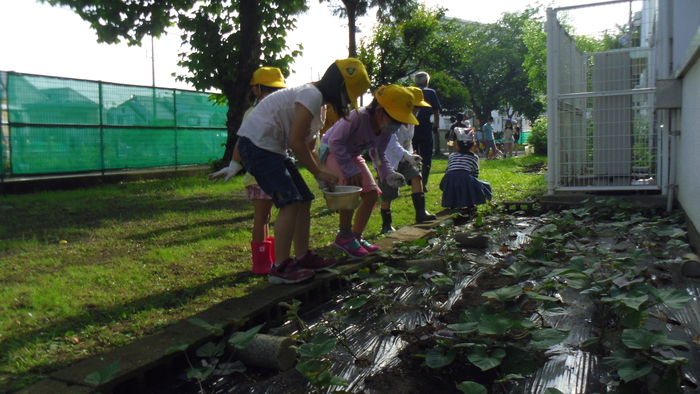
column 386, row 228
column 425, row 217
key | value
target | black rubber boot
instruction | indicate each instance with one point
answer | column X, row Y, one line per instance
column 386, row 221
column 419, row 204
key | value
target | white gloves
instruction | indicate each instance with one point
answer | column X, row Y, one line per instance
column 395, row 180
column 413, row 160
column 226, row 173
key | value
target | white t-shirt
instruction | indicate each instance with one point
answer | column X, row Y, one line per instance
column 270, row 122
column 400, row 144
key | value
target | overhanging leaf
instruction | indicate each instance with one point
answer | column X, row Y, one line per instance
column 310, row 367
column 672, row 298
column 318, row 346
column 471, row 388
column 540, row 297
column 518, row 270
column 443, row 281
column 481, row 358
column 437, row 357
column 200, row 373
column 630, row 373
column 494, row 325
column 104, row 374
column 356, row 302
column 210, row 349
column 504, row 294
column 552, row 390
column 518, row 361
column 620, row 358
column 214, row 329
column 543, row 338
column 463, row 328
column 634, row 319
column 177, row 348
column 242, row 339
column 229, row 368
column 671, row 361
column 637, row 338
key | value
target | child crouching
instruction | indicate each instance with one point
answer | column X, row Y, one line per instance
column 461, row 186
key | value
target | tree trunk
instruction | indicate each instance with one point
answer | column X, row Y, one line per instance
column 237, row 82
column 351, row 8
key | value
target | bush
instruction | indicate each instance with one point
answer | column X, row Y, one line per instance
column 538, row 138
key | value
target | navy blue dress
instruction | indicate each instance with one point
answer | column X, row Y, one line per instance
column 461, row 187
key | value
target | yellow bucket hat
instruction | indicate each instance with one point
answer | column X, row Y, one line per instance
column 398, row 102
column 418, row 99
column 268, row 76
column 356, row 78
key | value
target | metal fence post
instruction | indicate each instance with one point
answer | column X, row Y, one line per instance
column 102, row 129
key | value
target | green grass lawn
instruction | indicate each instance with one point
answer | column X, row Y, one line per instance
column 87, row 270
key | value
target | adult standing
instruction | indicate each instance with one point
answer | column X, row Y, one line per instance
column 423, row 137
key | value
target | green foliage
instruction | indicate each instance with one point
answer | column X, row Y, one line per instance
column 518, row 270
column 214, row 329
column 482, row 358
column 210, row 352
column 397, row 51
column 242, row 339
column 104, row 374
column 114, row 20
column 504, row 294
column 472, row 388
column 388, row 12
column 315, row 365
column 439, row 357
column 454, row 97
column 491, row 66
column 538, row 138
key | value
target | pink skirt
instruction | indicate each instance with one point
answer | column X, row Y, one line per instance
column 256, row 193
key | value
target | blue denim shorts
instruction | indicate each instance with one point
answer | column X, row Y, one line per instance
column 276, row 174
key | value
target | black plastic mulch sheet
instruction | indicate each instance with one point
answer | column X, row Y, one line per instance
column 568, row 369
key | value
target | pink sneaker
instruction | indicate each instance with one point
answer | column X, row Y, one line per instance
column 288, row 272
column 350, row 246
column 371, row 249
column 315, row 262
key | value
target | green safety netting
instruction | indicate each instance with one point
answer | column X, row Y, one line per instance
column 59, row 125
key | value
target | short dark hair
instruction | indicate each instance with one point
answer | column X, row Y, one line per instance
column 460, row 117
column 465, row 146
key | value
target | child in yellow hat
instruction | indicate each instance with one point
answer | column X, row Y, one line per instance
column 371, row 127
column 291, row 119
column 403, row 159
column 265, row 81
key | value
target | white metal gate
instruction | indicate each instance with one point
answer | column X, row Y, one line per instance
column 602, row 134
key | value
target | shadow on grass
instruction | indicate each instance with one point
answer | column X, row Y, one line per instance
column 103, row 316
column 42, row 217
